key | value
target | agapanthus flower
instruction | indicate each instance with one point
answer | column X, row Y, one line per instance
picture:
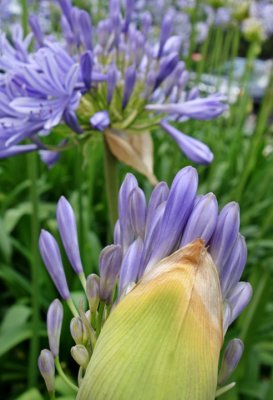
column 115, row 78
column 263, row 11
column 168, row 289
column 10, row 12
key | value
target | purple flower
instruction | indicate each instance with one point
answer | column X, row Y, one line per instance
column 47, row 369
column 166, row 67
column 109, row 266
column 202, row 221
column 36, row 29
column 55, row 84
column 174, row 218
column 100, row 121
column 146, row 234
column 50, row 158
column 54, row 326
column 93, row 291
column 194, row 150
column 68, row 230
column 130, row 266
column 200, row 108
column 111, row 82
column 130, row 79
column 86, row 64
column 166, row 29
column 231, row 358
column 114, row 71
column 51, row 256
column 18, row 149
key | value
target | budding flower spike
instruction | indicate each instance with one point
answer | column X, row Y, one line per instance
column 169, row 288
column 116, row 80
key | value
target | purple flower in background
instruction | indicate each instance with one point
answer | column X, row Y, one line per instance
column 114, row 76
column 193, row 149
column 100, row 120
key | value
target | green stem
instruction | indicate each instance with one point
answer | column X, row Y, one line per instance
column 32, row 172
column 111, row 184
column 83, row 280
column 72, row 307
column 99, row 319
column 24, row 16
column 52, row 396
column 80, row 190
column 234, row 53
column 217, row 49
column 204, row 54
column 254, row 149
column 63, row 376
column 192, row 43
column 224, row 389
column 35, row 262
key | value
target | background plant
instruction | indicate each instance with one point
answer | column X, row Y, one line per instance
column 242, row 171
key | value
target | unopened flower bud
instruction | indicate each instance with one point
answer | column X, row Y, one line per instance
column 68, row 231
column 54, row 326
column 47, row 369
column 100, row 121
column 109, row 264
column 129, row 84
column 93, row 291
column 231, row 357
column 164, row 338
column 78, row 331
column 51, row 256
column 240, row 10
column 253, row 30
column 80, row 355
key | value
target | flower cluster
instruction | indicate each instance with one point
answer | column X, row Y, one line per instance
column 247, row 15
column 114, row 78
column 150, row 239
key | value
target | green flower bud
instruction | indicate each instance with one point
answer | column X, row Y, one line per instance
column 240, row 10
column 163, row 339
column 80, row 355
column 216, row 3
column 92, row 291
column 78, row 331
column 253, row 30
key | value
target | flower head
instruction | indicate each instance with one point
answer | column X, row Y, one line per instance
column 169, row 287
column 115, row 78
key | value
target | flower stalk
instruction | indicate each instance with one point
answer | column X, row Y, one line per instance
column 111, row 184
column 35, row 263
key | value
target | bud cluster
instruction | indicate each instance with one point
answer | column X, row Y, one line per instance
column 149, row 239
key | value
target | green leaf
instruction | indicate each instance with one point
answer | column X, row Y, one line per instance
column 14, row 328
column 5, row 242
column 15, row 317
column 10, row 339
column 63, row 388
column 31, row 394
